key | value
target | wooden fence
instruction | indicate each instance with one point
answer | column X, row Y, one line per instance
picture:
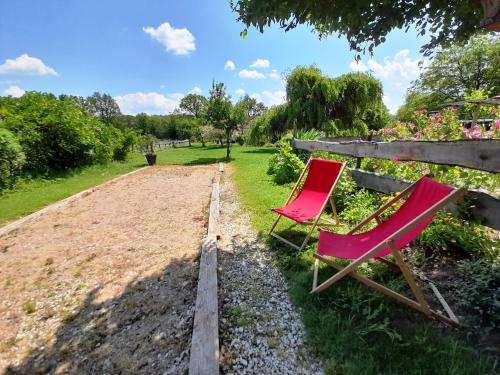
column 163, row 145
column 476, row 154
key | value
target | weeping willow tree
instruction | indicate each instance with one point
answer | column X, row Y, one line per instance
column 344, row 105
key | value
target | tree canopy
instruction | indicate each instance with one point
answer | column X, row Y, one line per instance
column 456, row 73
column 364, row 23
column 194, row 104
column 102, row 106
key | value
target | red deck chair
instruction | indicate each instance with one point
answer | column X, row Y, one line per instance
column 312, row 199
column 426, row 197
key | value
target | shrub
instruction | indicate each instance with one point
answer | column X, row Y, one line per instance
column 480, row 289
column 285, row 166
column 128, row 141
column 447, row 233
column 11, row 158
column 361, row 205
column 57, row 133
column 147, row 143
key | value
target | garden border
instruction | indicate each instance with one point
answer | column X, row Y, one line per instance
column 204, row 353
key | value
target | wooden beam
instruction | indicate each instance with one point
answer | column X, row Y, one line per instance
column 482, row 154
column 204, row 355
column 484, row 206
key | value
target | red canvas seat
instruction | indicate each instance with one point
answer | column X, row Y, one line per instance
column 350, row 246
column 311, row 200
column 425, row 198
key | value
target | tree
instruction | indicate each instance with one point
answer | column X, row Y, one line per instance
column 194, row 104
column 252, row 107
column 336, row 105
column 462, row 69
column 365, row 23
column 102, row 106
column 220, row 113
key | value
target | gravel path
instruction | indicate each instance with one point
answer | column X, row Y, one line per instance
column 261, row 331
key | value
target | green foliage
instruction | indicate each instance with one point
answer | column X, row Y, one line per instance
column 448, row 233
column 194, row 104
column 480, row 290
column 343, row 192
column 129, row 139
column 463, row 68
column 360, row 205
column 269, row 126
column 147, row 144
column 366, row 24
column 348, row 103
column 222, row 115
column 285, row 166
column 11, row 159
column 102, row 106
column 58, row 133
column 417, row 100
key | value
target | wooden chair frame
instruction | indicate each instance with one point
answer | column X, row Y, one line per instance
column 317, row 220
column 350, row 270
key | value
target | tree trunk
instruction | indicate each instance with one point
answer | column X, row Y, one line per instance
column 228, row 144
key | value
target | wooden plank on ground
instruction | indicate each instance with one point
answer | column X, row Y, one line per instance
column 484, row 206
column 57, row 205
column 482, row 154
column 204, row 355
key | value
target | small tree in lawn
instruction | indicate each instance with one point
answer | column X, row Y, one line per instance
column 219, row 112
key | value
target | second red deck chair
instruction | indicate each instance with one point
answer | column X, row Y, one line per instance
column 425, row 198
column 310, row 201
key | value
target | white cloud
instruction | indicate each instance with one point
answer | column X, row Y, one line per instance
column 260, row 63
column 358, row 66
column 389, row 103
column 240, row 92
column 152, row 103
column 229, row 65
column 270, row 98
column 26, row 64
column 14, row 91
column 400, row 67
column 196, row 90
column 180, row 41
column 274, row 74
column 251, row 74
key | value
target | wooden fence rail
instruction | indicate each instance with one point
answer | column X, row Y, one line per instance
column 163, row 145
column 481, row 154
column 477, row 154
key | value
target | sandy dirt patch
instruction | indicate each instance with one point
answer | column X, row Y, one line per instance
column 108, row 283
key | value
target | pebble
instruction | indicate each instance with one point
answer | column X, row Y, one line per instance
column 261, row 330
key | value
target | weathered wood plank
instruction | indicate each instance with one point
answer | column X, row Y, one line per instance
column 213, row 218
column 481, row 154
column 484, row 206
column 204, row 355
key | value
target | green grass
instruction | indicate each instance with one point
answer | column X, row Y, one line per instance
column 351, row 328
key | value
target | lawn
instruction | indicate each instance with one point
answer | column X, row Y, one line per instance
column 352, row 329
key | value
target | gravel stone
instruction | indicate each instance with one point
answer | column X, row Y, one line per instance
column 260, row 330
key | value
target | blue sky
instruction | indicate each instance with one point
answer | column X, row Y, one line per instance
column 148, row 54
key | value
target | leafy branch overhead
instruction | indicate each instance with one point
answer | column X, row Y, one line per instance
column 364, row 23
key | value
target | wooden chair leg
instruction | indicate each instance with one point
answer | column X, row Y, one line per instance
column 334, row 210
column 409, row 278
column 384, row 290
column 275, row 223
column 315, row 275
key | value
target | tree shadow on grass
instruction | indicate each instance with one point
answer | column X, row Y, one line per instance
column 267, row 150
column 201, row 161
column 145, row 330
